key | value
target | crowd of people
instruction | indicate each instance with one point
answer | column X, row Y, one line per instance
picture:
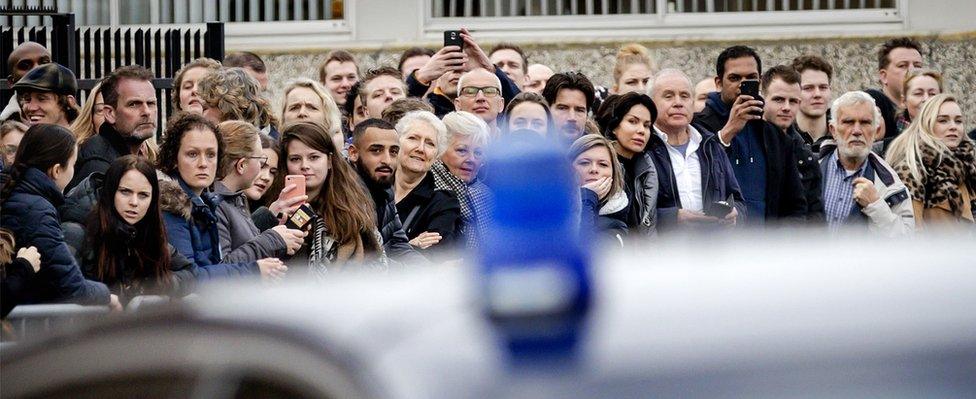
column 387, row 167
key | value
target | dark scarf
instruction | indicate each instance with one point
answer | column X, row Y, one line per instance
column 942, row 175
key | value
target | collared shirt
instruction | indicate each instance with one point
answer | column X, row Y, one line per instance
column 838, row 191
column 687, row 169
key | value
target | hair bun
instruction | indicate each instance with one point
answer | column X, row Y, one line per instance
column 632, row 49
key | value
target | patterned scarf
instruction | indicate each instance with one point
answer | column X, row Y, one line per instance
column 942, row 175
column 475, row 199
column 327, row 255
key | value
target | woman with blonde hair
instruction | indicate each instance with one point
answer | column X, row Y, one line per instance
column 307, row 100
column 604, row 200
column 240, row 239
column 187, row 82
column 632, row 70
column 231, row 94
column 918, row 86
column 937, row 162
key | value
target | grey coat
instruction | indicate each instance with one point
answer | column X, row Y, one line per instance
column 240, row 239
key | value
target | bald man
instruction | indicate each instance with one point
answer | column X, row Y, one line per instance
column 25, row 57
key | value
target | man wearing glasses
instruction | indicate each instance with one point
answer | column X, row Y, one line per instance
column 480, row 93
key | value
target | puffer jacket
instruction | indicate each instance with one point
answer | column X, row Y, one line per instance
column 30, row 213
column 240, row 239
column 78, row 205
column 191, row 226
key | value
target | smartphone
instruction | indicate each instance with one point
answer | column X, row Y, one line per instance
column 721, row 209
column 299, row 182
column 749, row 88
column 453, row 38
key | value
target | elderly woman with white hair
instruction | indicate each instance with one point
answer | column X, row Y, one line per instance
column 430, row 216
column 307, row 100
column 457, row 172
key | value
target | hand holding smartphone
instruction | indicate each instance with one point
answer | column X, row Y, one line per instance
column 453, row 38
column 750, row 88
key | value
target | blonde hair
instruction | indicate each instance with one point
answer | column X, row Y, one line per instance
column 333, row 118
column 588, row 141
column 630, row 54
column 239, row 139
column 202, row 62
column 908, row 147
column 911, row 75
column 84, row 127
column 238, row 97
column 7, row 247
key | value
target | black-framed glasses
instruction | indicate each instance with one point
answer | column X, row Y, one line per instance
column 264, row 160
column 471, row 91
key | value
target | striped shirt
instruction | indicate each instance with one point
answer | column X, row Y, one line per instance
column 838, row 191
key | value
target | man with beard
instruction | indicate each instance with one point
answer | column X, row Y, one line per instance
column 130, row 119
column 860, row 188
column 570, row 96
column 373, row 153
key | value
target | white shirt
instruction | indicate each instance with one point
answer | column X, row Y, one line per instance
column 687, row 170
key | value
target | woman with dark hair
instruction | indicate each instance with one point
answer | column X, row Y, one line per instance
column 189, row 156
column 43, row 166
column 626, row 119
column 345, row 227
column 126, row 246
column 17, row 269
column 604, row 201
column 528, row 111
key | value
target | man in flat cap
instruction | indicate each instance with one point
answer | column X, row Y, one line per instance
column 25, row 57
column 47, row 95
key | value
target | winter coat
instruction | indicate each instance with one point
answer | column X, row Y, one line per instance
column 785, row 197
column 443, row 105
column 609, row 219
column 427, row 209
column 810, row 178
column 645, row 188
column 892, row 214
column 191, row 226
column 31, row 215
column 126, row 284
column 78, row 205
column 98, row 152
column 15, row 285
column 395, row 242
column 717, row 178
column 240, row 239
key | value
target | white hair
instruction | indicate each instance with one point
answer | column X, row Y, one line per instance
column 466, row 124
column 498, row 82
column 852, row 98
column 666, row 72
column 412, row 119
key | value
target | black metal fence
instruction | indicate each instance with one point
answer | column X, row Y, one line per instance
column 93, row 52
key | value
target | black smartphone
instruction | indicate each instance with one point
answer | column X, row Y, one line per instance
column 302, row 218
column 721, row 209
column 749, row 88
column 453, row 38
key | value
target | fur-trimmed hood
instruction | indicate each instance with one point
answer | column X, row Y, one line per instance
column 172, row 198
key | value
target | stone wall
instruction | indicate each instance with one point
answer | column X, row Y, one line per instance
column 854, row 61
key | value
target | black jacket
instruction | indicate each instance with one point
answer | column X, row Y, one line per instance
column 784, row 193
column 126, row 284
column 98, row 152
column 31, row 216
column 428, row 209
column 889, row 112
column 609, row 219
column 807, row 163
column 395, row 242
column 443, row 105
column 16, row 284
column 717, row 178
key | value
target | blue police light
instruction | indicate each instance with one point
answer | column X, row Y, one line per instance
column 534, row 264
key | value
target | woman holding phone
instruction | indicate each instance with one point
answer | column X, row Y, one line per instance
column 343, row 227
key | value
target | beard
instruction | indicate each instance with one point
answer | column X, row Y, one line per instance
column 853, row 153
column 372, row 181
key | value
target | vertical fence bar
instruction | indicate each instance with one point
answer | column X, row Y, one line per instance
column 117, row 48
column 128, row 47
column 187, row 51
column 196, row 45
column 106, row 51
column 268, row 11
column 214, row 41
column 140, row 50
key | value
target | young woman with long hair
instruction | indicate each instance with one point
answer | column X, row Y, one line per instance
column 43, row 166
column 345, row 229
column 125, row 241
column 604, row 200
